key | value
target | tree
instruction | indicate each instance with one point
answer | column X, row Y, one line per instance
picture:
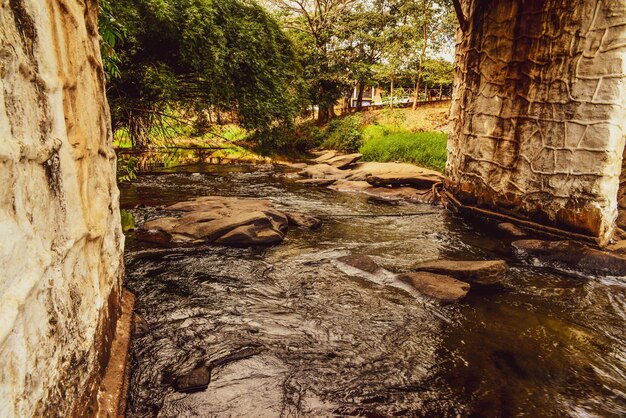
column 315, row 25
column 185, row 55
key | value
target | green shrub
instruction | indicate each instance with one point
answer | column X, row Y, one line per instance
column 427, row 149
column 344, row 134
column 126, row 169
column 128, row 220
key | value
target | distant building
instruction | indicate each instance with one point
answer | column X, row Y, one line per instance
column 372, row 96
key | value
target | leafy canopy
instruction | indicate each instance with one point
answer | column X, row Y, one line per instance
column 197, row 56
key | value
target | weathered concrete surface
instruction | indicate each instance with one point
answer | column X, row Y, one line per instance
column 538, row 116
column 114, row 383
column 61, row 246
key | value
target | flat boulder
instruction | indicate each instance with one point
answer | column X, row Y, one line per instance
column 196, row 380
column 395, row 174
column 443, row 289
column 350, row 186
column 325, row 156
column 301, row 220
column 361, row 262
column 404, row 179
column 397, row 194
column 475, row 272
column 317, row 182
column 387, row 194
column 570, row 256
column 221, row 220
column 344, row 161
column 322, row 171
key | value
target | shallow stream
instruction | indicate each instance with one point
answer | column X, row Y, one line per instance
column 295, row 334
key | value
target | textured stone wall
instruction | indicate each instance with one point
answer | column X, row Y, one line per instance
column 538, row 118
column 60, row 239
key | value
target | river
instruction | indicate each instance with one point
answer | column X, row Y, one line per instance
column 297, row 335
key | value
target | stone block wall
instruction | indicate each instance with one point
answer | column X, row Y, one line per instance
column 538, row 117
column 60, row 238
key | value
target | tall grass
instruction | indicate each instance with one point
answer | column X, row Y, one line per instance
column 426, row 149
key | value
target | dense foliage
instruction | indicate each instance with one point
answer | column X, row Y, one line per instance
column 202, row 59
column 348, row 44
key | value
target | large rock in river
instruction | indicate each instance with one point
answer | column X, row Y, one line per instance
column 301, row 220
column 323, row 171
column 570, row 255
column 344, row 161
column 221, row 220
column 444, row 289
column 479, row 272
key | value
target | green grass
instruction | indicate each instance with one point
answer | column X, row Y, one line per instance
column 426, row 149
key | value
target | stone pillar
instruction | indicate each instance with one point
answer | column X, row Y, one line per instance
column 538, row 117
column 60, row 238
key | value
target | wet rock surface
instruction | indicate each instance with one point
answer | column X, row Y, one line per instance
column 512, row 230
column 571, row 256
column 196, row 380
column 301, row 220
column 220, row 220
column 317, row 182
column 392, row 182
column 361, row 262
column 478, row 272
column 443, row 289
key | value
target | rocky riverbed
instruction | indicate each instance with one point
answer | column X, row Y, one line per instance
column 389, row 308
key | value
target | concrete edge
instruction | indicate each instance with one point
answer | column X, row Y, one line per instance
column 113, row 389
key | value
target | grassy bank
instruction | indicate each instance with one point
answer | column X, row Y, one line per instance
column 403, row 135
column 426, row 149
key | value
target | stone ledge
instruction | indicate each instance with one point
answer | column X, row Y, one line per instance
column 114, row 385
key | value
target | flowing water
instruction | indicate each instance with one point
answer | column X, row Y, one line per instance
column 291, row 332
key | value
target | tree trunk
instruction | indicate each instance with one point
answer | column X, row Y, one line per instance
column 440, row 91
column 419, row 70
column 359, row 102
column 391, row 94
column 322, row 114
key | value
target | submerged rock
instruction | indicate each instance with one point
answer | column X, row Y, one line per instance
column 479, row 272
column 512, row 230
column 216, row 219
column 196, row 380
column 570, row 255
column 361, row 262
column 301, row 220
column 444, row 289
